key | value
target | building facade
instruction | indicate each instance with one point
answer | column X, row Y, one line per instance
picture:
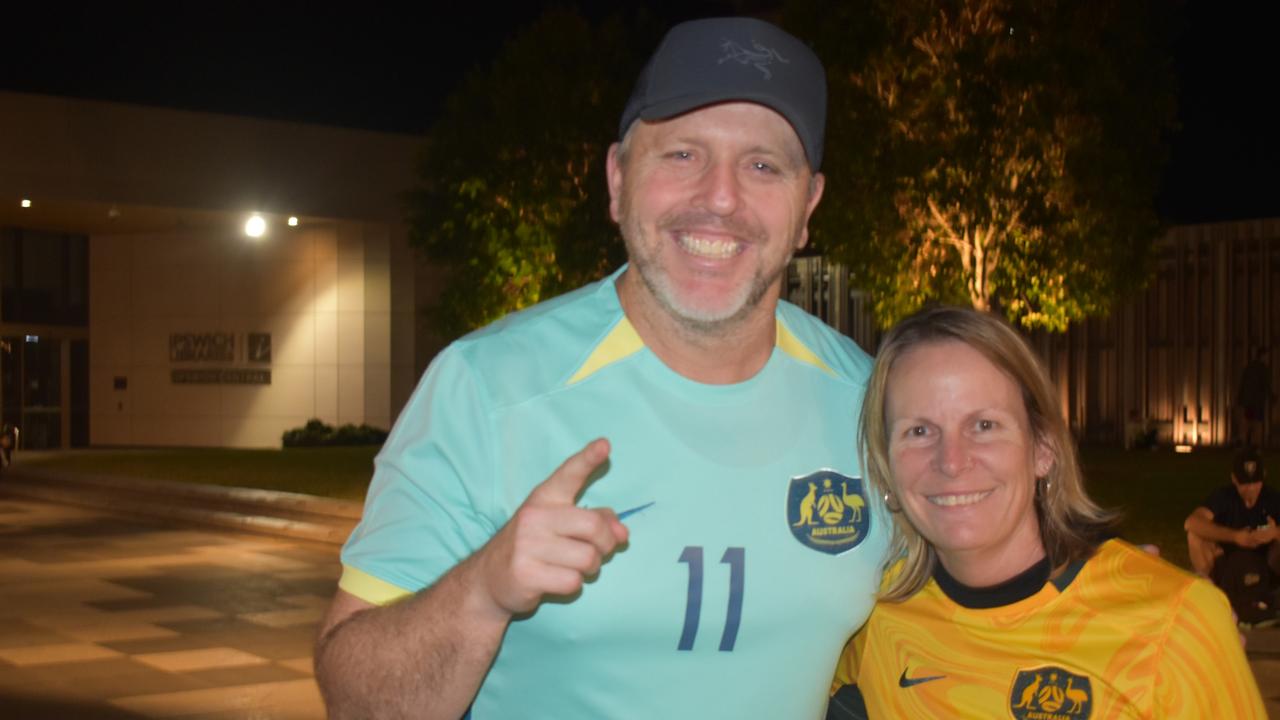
column 136, row 311
column 1168, row 360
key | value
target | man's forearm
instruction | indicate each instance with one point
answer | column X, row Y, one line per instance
column 424, row 657
column 1207, row 529
column 427, row 656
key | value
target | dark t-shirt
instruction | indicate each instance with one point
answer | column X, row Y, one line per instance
column 1229, row 511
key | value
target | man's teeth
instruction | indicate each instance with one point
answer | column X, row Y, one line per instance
column 707, row 247
column 953, row 500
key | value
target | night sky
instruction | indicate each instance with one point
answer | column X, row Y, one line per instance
column 383, row 69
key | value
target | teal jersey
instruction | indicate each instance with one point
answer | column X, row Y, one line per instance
column 754, row 550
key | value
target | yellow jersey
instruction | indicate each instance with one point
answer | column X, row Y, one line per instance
column 1122, row 635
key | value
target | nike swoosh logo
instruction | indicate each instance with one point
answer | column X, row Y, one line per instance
column 906, row 682
column 628, row 513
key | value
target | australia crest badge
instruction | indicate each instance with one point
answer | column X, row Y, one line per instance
column 828, row 511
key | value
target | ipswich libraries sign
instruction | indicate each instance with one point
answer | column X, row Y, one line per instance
column 206, row 357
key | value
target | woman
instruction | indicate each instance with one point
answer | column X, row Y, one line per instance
column 1007, row 599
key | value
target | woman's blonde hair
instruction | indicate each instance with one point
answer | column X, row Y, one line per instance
column 1071, row 524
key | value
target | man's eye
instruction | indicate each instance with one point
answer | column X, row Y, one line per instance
column 680, row 155
column 986, row 425
column 763, row 167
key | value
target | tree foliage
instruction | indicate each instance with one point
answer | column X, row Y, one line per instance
column 1000, row 153
column 512, row 196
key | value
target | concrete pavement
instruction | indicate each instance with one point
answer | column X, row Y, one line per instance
column 283, row 514
column 108, row 616
column 152, row 600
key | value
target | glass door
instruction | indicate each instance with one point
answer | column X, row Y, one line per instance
column 41, row 393
column 31, row 389
column 11, row 380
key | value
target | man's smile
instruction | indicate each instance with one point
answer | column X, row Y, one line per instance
column 717, row 248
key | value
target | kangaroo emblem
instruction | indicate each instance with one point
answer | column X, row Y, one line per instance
column 1029, row 692
column 806, row 506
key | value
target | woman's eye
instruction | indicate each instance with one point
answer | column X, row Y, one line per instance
column 986, row 425
column 918, row 431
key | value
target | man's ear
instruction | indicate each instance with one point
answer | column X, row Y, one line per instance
column 816, row 185
column 613, row 172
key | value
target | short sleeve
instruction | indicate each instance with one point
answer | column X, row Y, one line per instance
column 847, row 667
column 1217, row 504
column 1202, row 668
column 1272, row 504
column 430, row 502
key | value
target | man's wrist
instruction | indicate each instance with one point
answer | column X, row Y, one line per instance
column 477, row 600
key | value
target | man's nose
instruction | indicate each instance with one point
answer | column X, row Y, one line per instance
column 720, row 188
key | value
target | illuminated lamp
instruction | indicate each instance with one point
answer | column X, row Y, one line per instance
column 255, row 226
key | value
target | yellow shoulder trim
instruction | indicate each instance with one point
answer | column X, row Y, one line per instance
column 792, row 346
column 622, row 340
column 369, row 588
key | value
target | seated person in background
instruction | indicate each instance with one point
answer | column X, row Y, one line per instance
column 1005, row 597
column 1232, row 536
column 1139, row 432
column 8, row 441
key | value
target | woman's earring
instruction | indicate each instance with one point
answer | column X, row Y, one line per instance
column 1044, row 485
column 890, row 502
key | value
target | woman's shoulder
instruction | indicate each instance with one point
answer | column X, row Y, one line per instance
column 1139, row 594
column 1129, row 575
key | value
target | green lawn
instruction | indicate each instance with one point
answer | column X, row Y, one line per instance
column 1156, row 490
column 1153, row 489
column 338, row 472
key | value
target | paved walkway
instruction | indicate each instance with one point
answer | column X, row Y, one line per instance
column 1264, row 657
column 102, row 616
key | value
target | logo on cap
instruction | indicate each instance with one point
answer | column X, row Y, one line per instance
column 761, row 58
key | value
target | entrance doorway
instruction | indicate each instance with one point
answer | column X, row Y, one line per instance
column 44, row 347
column 43, row 390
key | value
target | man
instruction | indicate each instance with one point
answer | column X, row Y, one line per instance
column 666, row 569
column 1254, row 396
column 1231, row 537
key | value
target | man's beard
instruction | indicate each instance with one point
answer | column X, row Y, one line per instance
column 647, row 260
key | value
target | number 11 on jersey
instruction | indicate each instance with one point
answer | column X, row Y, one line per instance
column 736, row 559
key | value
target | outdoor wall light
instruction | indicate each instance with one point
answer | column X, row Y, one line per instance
column 293, row 221
column 26, row 203
column 255, row 226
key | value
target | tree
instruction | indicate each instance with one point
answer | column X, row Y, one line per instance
column 1000, row 153
column 512, row 195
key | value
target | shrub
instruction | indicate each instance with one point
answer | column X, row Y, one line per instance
column 317, row 434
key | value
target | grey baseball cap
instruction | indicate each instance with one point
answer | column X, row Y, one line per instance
column 702, row 62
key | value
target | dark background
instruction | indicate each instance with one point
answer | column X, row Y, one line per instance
column 379, row 68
